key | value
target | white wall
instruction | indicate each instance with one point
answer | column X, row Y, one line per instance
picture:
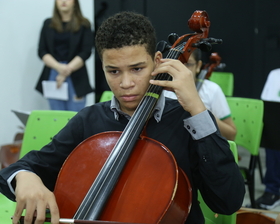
column 20, row 66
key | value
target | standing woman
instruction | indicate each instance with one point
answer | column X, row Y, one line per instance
column 66, row 42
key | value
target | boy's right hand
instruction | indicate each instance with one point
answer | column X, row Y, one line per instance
column 32, row 195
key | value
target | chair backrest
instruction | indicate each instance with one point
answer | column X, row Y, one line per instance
column 210, row 216
column 106, row 96
column 247, row 115
column 41, row 126
column 225, row 80
column 234, row 150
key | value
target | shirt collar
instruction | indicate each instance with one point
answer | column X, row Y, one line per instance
column 158, row 110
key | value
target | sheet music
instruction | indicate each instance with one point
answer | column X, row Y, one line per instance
column 51, row 91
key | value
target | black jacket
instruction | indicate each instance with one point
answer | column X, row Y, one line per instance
column 81, row 43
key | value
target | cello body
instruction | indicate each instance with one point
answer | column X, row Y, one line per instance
column 151, row 188
column 253, row 218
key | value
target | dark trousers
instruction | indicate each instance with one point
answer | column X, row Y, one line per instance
column 272, row 175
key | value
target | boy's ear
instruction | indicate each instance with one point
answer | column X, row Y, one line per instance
column 158, row 56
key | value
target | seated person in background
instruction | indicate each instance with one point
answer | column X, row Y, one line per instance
column 126, row 43
column 212, row 96
column 271, row 196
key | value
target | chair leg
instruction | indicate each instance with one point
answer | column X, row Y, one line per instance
column 260, row 168
column 251, row 187
column 251, row 179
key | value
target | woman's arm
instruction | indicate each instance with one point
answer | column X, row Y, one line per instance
column 227, row 128
column 64, row 70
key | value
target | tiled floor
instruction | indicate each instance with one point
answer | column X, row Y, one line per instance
column 259, row 187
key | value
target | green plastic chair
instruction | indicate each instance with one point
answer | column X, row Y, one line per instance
column 225, row 80
column 210, row 216
column 106, row 96
column 41, row 126
column 247, row 115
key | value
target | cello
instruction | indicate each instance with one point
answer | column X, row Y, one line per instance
column 126, row 185
column 254, row 216
column 207, row 70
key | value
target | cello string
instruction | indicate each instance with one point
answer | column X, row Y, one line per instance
column 172, row 54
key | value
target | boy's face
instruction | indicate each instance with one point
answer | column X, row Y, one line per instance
column 128, row 71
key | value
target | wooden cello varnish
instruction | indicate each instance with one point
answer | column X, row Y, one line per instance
column 150, row 185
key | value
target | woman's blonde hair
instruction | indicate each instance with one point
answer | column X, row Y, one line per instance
column 77, row 19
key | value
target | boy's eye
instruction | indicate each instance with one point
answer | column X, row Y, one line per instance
column 114, row 71
column 137, row 69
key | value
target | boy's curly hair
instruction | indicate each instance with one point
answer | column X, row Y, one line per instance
column 126, row 29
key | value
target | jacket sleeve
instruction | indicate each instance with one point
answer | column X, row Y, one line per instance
column 217, row 175
column 42, row 47
column 86, row 44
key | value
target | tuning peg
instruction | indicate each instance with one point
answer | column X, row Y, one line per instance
column 203, row 45
column 214, row 40
column 172, row 38
column 162, row 46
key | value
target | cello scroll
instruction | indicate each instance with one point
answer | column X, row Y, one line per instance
column 199, row 23
column 205, row 73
